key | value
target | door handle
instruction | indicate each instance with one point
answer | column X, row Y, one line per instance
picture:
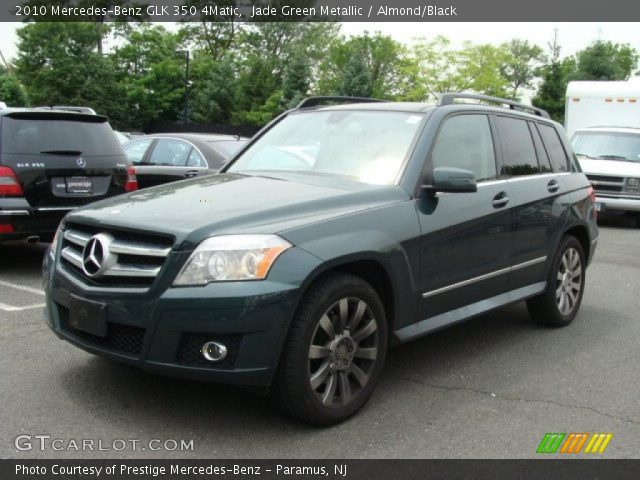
column 191, row 173
column 553, row 186
column 500, row 200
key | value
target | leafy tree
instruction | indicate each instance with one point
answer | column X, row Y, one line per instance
column 215, row 34
column 12, row 92
column 521, row 65
column 605, row 61
column 214, row 84
column 151, row 69
column 357, row 78
column 555, row 77
column 58, row 64
column 480, row 69
column 296, row 81
column 382, row 57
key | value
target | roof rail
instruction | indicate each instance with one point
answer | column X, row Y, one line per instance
column 315, row 101
column 449, row 98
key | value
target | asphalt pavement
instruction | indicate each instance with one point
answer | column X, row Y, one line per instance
column 488, row 388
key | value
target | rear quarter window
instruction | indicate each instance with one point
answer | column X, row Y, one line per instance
column 556, row 151
column 33, row 136
column 518, row 150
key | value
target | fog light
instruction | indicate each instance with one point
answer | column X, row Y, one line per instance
column 214, row 351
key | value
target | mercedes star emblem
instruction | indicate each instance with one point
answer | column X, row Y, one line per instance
column 81, row 162
column 96, row 257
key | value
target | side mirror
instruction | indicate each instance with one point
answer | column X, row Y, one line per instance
column 453, row 180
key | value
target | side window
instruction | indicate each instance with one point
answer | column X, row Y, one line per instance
column 196, row 160
column 170, row 152
column 465, row 142
column 519, row 153
column 543, row 158
column 554, row 147
column 135, row 150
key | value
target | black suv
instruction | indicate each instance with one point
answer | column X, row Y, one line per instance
column 337, row 231
column 52, row 162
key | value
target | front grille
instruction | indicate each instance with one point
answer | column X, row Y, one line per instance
column 128, row 259
column 120, row 338
column 189, row 352
column 605, row 183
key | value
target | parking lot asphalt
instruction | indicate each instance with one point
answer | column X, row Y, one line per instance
column 488, row 388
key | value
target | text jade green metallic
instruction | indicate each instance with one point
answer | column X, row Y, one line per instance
column 337, row 231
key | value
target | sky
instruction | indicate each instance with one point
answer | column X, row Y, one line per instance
column 573, row 36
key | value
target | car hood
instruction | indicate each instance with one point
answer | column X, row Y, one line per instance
column 610, row 167
column 232, row 203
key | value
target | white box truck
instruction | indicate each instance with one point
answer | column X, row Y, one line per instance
column 603, row 121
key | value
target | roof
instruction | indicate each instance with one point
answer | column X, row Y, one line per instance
column 596, row 89
column 199, row 137
column 419, row 107
column 610, row 129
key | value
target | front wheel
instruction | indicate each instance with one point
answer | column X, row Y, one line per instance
column 558, row 305
column 334, row 352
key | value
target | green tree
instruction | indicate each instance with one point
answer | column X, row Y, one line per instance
column 356, row 79
column 296, row 81
column 605, row 61
column 521, row 65
column 214, row 84
column 58, row 63
column 151, row 69
column 555, row 77
column 479, row 69
column 12, row 92
column 384, row 59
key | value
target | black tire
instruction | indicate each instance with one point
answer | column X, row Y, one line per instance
column 638, row 220
column 330, row 402
column 547, row 308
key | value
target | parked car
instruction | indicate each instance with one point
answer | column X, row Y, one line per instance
column 610, row 157
column 52, row 162
column 296, row 274
column 168, row 157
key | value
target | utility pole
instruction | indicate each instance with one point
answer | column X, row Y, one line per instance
column 186, row 89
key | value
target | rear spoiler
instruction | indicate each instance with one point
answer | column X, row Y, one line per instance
column 52, row 115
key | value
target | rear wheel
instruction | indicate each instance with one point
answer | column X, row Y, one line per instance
column 334, row 353
column 559, row 303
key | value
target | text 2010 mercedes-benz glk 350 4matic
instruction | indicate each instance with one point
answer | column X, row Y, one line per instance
column 337, row 231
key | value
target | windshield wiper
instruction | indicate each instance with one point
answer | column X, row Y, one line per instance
column 62, row 152
column 614, row 157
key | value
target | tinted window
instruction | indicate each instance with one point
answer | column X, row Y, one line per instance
column 519, row 153
column 136, row 150
column 543, row 158
column 554, row 147
column 465, row 142
column 195, row 159
column 170, row 152
column 34, row 136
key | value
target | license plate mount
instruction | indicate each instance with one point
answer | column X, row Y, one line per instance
column 88, row 316
column 79, row 185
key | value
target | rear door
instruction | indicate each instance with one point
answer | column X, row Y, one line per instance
column 467, row 237
column 168, row 160
column 62, row 160
column 535, row 186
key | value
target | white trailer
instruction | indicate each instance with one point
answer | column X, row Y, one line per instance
column 602, row 104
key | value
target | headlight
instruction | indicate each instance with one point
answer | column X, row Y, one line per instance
column 633, row 183
column 231, row 258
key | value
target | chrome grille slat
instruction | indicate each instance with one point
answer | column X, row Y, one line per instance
column 132, row 260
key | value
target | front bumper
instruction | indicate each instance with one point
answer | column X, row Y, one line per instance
column 622, row 203
column 163, row 330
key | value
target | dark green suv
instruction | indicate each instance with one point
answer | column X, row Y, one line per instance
column 337, row 231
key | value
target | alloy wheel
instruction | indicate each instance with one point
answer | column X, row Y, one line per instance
column 343, row 352
column 569, row 281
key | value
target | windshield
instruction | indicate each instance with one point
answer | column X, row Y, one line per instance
column 607, row 145
column 42, row 136
column 366, row 146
